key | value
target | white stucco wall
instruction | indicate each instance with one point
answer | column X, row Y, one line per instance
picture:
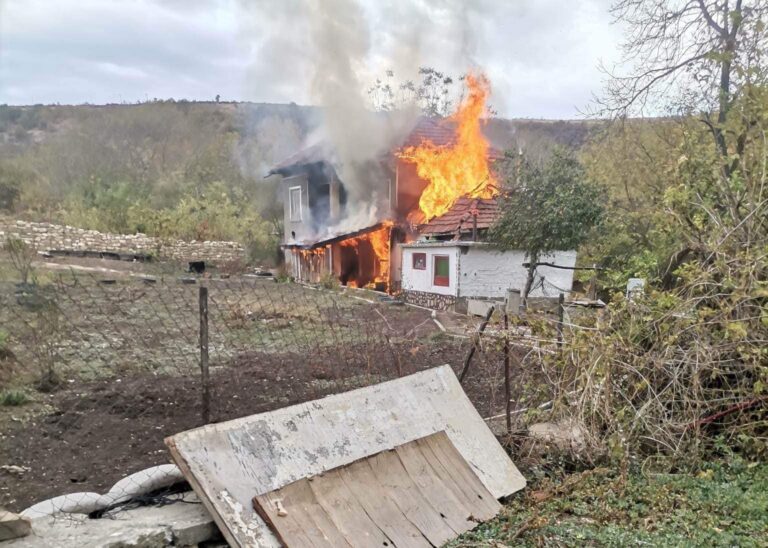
column 421, row 280
column 480, row 271
column 486, row 272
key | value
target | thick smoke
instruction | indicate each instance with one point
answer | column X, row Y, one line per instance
column 360, row 137
column 326, row 46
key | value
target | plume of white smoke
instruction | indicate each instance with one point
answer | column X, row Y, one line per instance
column 360, row 137
column 329, row 43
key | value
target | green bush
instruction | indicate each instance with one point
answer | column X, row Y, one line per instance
column 13, row 398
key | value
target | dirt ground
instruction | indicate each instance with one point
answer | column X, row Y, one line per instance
column 128, row 356
column 105, row 430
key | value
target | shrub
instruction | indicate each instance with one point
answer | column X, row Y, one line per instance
column 21, row 255
column 282, row 276
column 329, row 281
column 13, row 398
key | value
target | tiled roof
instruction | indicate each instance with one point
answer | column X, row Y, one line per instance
column 440, row 131
column 332, row 238
column 459, row 217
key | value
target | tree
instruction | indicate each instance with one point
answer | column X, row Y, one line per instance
column 433, row 94
column 11, row 180
column 683, row 369
column 708, row 51
column 545, row 208
column 698, row 60
column 633, row 162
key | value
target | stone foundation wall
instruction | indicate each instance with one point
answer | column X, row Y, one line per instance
column 429, row 300
column 50, row 237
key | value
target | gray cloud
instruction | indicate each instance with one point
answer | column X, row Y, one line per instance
column 541, row 55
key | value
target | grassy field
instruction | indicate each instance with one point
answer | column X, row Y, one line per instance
column 725, row 504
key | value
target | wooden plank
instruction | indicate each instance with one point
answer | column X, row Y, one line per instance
column 290, row 526
column 454, row 461
column 456, row 474
column 391, row 474
column 345, row 511
column 316, row 513
column 378, row 504
column 435, row 490
column 229, row 463
column 395, row 498
column 305, row 523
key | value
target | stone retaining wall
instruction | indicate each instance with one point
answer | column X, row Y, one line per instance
column 49, row 237
column 429, row 300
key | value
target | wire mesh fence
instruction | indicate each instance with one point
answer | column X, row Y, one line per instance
column 112, row 366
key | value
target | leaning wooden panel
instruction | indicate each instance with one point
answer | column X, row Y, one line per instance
column 394, row 498
column 458, row 513
column 380, row 506
column 228, row 463
column 446, row 461
column 301, row 518
column 394, row 478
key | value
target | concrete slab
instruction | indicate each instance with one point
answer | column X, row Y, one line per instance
column 478, row 308
column 183, row 523
column 13, row 525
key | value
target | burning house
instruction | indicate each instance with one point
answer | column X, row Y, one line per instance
column 435, row 198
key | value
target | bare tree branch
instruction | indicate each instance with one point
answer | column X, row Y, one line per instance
column 711, row 22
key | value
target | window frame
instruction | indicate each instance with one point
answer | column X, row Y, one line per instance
column 420, row 255
column 441, row 281
column 291, row 213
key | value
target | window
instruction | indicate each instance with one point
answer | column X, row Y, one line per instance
column 442, row 273
column 294, row 203
column 419, row 261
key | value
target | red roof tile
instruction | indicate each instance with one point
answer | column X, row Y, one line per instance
column 459, row 217
column 439, row 131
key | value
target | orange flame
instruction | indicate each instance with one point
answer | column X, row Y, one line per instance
column 460, row 169
column 380, row 244
column 379, row 240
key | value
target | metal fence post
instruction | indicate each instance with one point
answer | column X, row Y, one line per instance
column 204, row 373
column 507, row 387
column 560, row 318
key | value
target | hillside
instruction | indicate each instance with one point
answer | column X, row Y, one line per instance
column 178, row 169
column 25, row 126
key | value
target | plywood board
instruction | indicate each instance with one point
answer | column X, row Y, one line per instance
column 231, row 462
column 405, row 503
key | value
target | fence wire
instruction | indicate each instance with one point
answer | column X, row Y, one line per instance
column 96, row 372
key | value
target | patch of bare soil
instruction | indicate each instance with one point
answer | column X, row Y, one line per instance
column 105, row 430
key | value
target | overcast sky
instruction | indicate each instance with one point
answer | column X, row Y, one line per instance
column 541, row 55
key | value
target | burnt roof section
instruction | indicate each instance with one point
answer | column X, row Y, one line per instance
column 458, row 219
column 439, row 131
column 312, row 154
column 337, row 238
